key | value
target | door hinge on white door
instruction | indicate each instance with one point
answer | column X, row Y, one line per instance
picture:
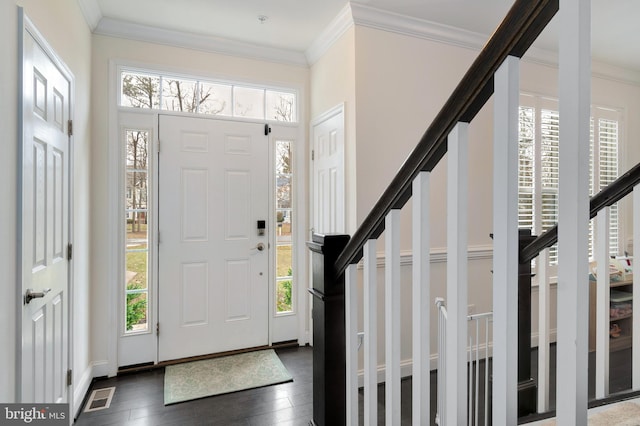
column 70, row 127
column 69, row 252
column 313, row 155
column 69, row 377
column 157, row 329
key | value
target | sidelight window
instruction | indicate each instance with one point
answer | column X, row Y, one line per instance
column 136, row 216
column 284, row 241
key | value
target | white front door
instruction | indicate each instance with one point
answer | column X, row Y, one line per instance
column 213, row 262
column 44, row 215
column 328, row 172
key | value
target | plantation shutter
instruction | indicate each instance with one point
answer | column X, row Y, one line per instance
column 608, row 171
column 538, row 155
column 549, row 172
column 526, row 163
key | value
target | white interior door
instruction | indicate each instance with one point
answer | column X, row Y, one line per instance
column 44, row 212
column 328, row 172
column 213, row 264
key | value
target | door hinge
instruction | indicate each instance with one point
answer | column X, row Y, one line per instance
column 313, row 155
column 267, row 130
column 69, row 377
column 158, row 146
column 70, row 127
column 157, row 329
column 158, row 237
column 69, row 252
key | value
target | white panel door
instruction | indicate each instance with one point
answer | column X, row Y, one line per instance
column 213, row 265
column 45, row 227
column 328, row 172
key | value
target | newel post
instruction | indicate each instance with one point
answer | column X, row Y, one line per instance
column 329, row 352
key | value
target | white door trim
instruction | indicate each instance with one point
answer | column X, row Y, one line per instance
column 26, row 26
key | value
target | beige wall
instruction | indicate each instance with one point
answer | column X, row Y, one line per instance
column 63, row 26
column 165, row 58
column 333, row 82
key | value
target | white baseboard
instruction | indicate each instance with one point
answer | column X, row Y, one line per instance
column 81, row 388
column 101, row 368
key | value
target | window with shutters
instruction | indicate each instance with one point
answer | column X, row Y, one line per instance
column 538, row 166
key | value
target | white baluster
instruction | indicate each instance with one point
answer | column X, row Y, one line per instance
column 602, row 304
column 421, row 307
column 392, row 317
column 505, row 243
column 573, row 210
column 370, row 334
column 457, row 287
column 351, row 332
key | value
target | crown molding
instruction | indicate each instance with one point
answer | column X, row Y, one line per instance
column 122, row 29
column 91, row 12
column 336, row 28
column 379, row 19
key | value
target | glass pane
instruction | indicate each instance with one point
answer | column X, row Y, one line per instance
column 179, row 95
column 140, row 90
column 281, row 106
column 284, row 274
column 284, row 296
column 215, row 99
column 283, row 192
column 248, row 102
column 136, row 229
column 137, row 312
column 283, row 256
column 136, row 190
column 283, row 231
column 283, row 157
column 136, row 273
column 137, row 149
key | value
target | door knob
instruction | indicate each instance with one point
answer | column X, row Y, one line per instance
column 30, row 294
column 260, row 246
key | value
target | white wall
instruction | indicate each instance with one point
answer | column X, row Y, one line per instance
column 62, row 24
column 179, row 60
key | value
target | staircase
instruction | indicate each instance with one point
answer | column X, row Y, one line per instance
column 337, row 259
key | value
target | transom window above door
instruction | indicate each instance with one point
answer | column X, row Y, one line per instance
column 149, row 90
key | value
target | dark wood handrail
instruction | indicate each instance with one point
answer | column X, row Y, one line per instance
column 523, row 23
column 614, row 192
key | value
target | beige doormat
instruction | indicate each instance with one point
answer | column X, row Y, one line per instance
column 199, row 379
column 620, row 414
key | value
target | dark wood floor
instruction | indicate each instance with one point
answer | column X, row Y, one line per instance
column 138, row 399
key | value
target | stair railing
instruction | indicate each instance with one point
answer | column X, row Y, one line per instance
column 494, row 73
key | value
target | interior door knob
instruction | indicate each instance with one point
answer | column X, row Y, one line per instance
column 30, row 294
column 260, row 246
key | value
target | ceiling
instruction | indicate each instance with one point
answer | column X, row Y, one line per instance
column 293, row 25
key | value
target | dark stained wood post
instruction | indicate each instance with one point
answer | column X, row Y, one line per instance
column 329, row 357
column 527, row 387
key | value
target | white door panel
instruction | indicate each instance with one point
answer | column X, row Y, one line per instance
column 45, row 227
column 213, row 281
column 328, row 173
